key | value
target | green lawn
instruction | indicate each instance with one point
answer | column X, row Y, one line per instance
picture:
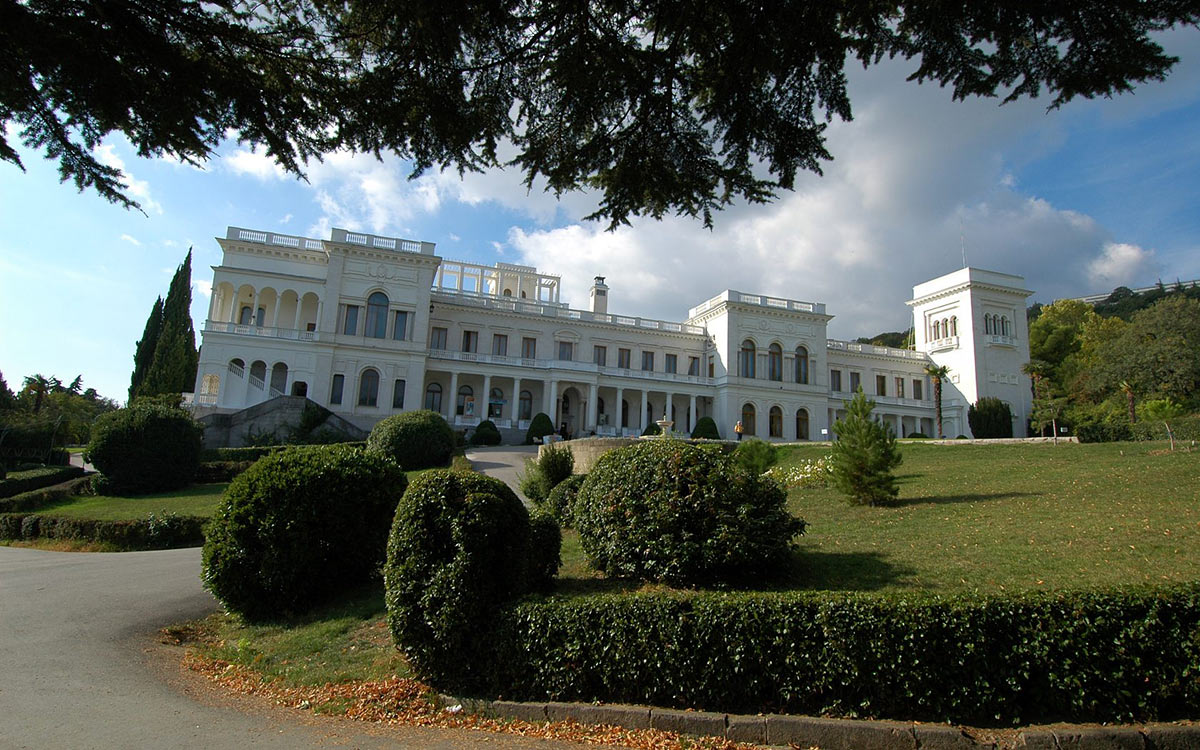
column 196, row 500
column 996, row 517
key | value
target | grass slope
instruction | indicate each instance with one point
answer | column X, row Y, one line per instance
column 196, row 500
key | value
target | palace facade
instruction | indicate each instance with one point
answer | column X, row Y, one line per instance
column 368, row 326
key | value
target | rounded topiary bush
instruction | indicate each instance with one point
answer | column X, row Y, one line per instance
column 299, row 526
column 562, row 499
column 414, row 439
column 145, row 448
column 539, row 427
column 705, row 429
column 486, row 433
column 651, row 430
column 545, row 550
column 756, row 456
column 670, row 511
column 460, row 546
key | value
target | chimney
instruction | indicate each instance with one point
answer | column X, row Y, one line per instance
column 599, row 295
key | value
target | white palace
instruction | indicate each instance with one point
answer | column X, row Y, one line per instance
column 368, row 326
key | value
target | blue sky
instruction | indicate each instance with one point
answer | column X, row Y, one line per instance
column 1098, row 194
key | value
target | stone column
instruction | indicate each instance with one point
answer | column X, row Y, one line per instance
column 453, row 398
column 593, row 393
column 642, row 416
column 620, row 397
column 552, row 403
column 487, row 398
column 692, row 413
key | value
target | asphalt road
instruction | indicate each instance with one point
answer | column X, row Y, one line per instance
column 80, row 666
column 504, row 462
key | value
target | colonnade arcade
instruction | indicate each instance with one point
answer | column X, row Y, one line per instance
column 587, row 408
column 264, row 307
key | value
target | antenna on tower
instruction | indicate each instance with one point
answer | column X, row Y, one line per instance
column 962, row 238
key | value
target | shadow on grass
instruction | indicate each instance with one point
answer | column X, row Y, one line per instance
column 973, row 497
column 482, row 466
column 812, row 570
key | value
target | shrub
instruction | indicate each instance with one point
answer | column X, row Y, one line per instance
column 556, row 462
column 34, row 479
column 666, row 510
column 990, row 418
column 705, row 429
column 756, row 456
column 533, row 483
column 545, row 550
column 1084, row 656
column 864, row 455
column 145, row 448
column 917, row 436
column 414, row 440
column 651, row 430
column 1184, row 428
column 238, row 454
column 539, row 427
column 209, row 472
column 459, row 548
column 486, row 434
column 299, row 526
column 165, row 531
column 562, row 499
column 1103, row 432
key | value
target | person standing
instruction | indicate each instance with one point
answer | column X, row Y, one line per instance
column 739, row 429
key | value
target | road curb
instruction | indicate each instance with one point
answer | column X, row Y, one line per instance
column 830, row 734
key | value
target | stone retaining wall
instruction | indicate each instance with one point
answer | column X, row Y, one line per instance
column 587, row 451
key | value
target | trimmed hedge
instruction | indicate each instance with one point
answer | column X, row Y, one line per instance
column 1117, row 656
column 1185, row 428
column 145, row 448
column 1103, row 432
column 461, row 546
column 165, row 531
column 539, row 427
column 485, row 433
column 414, row 440
column 35, row 479
column 562, row 499
column 209, row 472
column 298, row 527
column 253, row 453
column 705, row 429
column 40, row 498
column 680, row 513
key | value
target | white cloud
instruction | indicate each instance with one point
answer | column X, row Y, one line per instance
column 204, row 287
column 255, row 163
column 287, row 218
column 131, row 240
column 138, row 190
column 358, row 191
column 1121, row 264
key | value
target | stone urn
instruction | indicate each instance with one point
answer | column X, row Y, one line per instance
column 665, row 425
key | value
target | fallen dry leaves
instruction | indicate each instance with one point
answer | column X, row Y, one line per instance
column 409, row 702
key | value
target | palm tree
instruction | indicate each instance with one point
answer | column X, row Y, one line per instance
column 38, row 385
column 1037, row 370
column 937, row 373
column 1127, row 388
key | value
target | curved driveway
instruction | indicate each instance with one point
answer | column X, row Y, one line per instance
column 80, row 666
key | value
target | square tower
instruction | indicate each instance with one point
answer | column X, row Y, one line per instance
column 973, row 322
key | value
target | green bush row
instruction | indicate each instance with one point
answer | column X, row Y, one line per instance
column 252, row 453
column 1185, row 428
column 40, row 498
column 35, row 479
column 1116, row 656
column 165, row 531
column 219, row 471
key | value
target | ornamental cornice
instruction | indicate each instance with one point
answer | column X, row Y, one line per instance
column 293, row 255
column 968, row 285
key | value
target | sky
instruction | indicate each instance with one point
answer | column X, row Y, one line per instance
column 1098, row 194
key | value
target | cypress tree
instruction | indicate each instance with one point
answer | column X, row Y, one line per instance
column 864, row 455
column 173, row 367
column 144, row 354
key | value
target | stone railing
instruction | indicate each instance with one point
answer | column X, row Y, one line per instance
column 761, row 300
column 217, row 326
column 558, row 310
column 878, row 351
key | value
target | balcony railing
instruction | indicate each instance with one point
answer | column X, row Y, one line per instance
column 761, row 300
column 995, row 340
column 558, row 310
column 878, row 351
column 217, row 326
column 570, row 365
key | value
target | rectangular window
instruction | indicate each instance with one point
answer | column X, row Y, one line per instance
column 335, row 393
column 566, row 351
column 500, row 344
column 398, row 395
column 623, row 358
column 350, row 320
column 899, row 387
column 712, row 367
column 648, row 361
column 470, row 341
column 670, row 363
column 835, row 380
column 400, row 326
column 693, row 365
column 600, row 355
column 529, row 348
column 437, row 338
column 855, row 381
column 917, row 390
column 880, row 385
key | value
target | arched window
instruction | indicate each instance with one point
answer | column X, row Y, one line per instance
column 279, row 375
column 802, row 424
column 507, row 292
column 368, row 388
column 775, row 362
column 945, row 327
column 466, row 402
column 746, row 359
column 566, row 405
column 1004, row 326
column 937, row 330
column 802, row 365
column 377, row 305
column 775, row 422
column 525, row 406
column 258, row 370
column 433, row 398
column 987, row 324
column 599, row 406
column 495, row 403
column 954, row 325
column 748, row 427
